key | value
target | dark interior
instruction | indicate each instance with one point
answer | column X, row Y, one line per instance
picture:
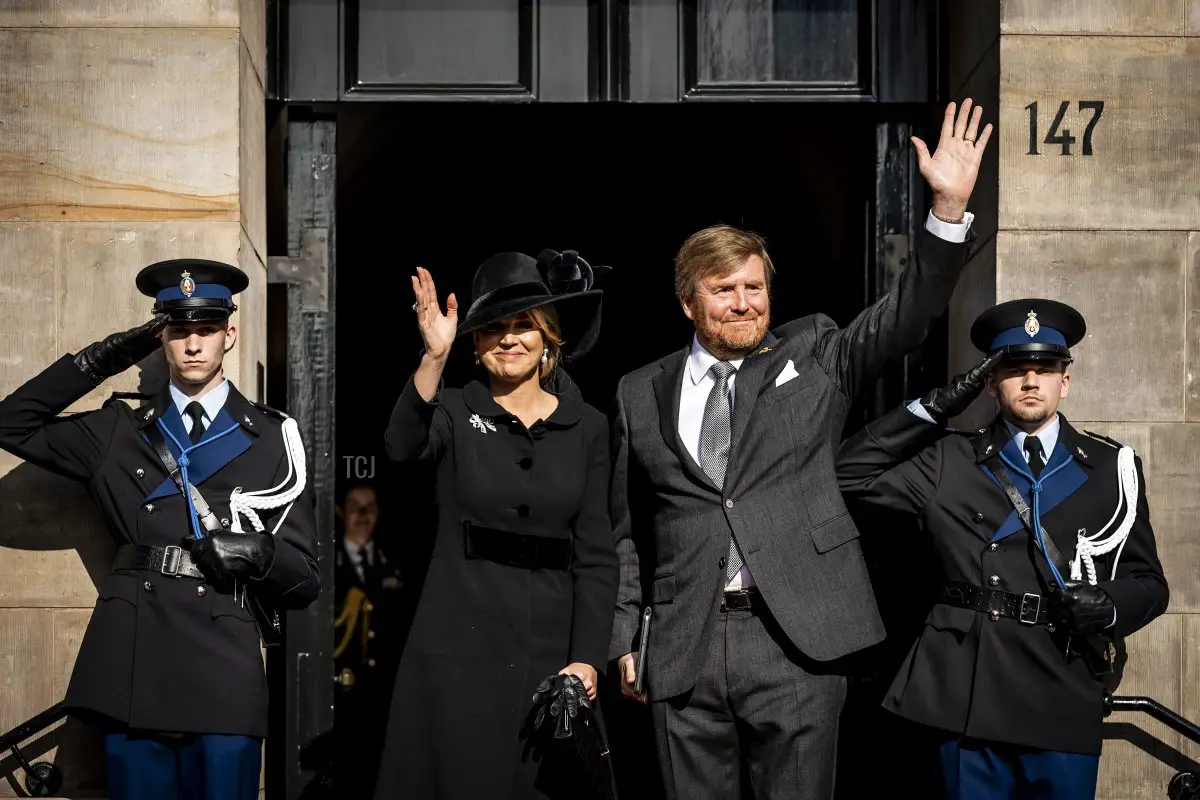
column 446, row 185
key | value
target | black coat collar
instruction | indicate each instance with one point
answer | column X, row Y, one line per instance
column 236, row 405
column 478, row 398
column 992, row 439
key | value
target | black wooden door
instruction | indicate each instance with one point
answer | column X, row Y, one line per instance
column 604, row 50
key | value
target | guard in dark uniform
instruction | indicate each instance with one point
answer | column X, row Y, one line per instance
column 368, row 639
column 171, row 665
column 1044, row 536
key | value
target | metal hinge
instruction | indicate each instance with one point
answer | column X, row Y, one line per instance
column 309, row 271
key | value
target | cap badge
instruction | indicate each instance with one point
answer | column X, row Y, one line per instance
column 1032, row 326
column 187, row 285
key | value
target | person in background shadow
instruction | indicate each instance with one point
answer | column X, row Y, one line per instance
column 524, row 572
column 368, row 638
column 1044, row 537
column 171, row 666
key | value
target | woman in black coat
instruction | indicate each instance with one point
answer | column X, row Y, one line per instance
column 523, row 577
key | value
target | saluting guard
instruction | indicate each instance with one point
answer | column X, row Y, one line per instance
column 206, row 494
column 1044, row 535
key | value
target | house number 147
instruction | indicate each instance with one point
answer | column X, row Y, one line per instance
column 1063, row 137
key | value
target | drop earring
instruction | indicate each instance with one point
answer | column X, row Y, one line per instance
column 545, row 351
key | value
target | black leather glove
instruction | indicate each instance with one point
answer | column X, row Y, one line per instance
column 1083, row 608
column 559, row 698
column 953, row 398
column 118, row 352
column 226, row 556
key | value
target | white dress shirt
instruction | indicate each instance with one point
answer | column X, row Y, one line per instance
column 360, row 556
column 698, row 381
column 212, row 402
column 1048, row 435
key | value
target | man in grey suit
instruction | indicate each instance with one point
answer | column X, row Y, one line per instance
column 729, row 522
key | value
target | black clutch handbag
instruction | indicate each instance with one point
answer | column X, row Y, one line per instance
column 562, row 708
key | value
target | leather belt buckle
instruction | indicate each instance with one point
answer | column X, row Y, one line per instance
column 1031, row 605
column 172, row 558
column 737, row 600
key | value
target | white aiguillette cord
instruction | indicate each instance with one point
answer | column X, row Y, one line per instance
column 1088, row 547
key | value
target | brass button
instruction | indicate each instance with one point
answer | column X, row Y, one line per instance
column 370, row 662
column 368, row 606
column 149, row 587
column 370, row 634
column 345, row 678
column 993, row 615
column 201, row 591
column 994, row 580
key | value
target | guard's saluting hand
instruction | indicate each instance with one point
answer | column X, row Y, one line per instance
column 119, row 351
column 952, row 399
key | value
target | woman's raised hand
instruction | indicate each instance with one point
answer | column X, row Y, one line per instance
column 437, row 329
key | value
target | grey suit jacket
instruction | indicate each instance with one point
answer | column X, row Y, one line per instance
column 780, row 497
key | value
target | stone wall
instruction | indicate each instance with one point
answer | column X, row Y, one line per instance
column 130, row 132
column 1113, row 233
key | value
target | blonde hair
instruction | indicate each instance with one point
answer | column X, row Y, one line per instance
column 717, row 250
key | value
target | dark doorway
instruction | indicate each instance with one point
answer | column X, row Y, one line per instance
column 445, row 185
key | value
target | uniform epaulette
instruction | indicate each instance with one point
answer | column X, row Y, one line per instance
column 270, row 412
column 1105, row 439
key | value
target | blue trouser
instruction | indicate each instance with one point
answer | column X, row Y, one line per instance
column 190, row 767
column 977, row 770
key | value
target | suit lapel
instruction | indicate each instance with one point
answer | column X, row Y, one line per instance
column 668, row 384
column 746, row 388
column 1063, row 476
column 216, row 448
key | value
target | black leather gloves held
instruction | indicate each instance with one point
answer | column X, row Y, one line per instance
column 952, row 399
column 118, row 352
column 226, row 556
column 1083, row 608
column 559, row 698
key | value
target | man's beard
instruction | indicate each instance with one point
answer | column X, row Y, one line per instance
column 736, row 339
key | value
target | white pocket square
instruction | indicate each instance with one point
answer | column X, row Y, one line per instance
column 789, row 372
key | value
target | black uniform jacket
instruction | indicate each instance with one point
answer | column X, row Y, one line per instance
column 166, row 653
column 1002, row 680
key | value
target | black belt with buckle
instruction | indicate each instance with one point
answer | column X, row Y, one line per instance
column 1026, row 608
column 172, row 561
column 743, row 600
column 516, row 549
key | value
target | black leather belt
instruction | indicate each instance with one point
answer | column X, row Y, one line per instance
column 1028, row 608
column 172, row 561
column 521, row 550
column 743, row 600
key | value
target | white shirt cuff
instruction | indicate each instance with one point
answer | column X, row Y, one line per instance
column 950, row 231
column 918, row 409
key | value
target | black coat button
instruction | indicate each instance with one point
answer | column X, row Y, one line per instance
column 522, row 511
column 537, row 431
column 721, row 563
column 526, row 462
